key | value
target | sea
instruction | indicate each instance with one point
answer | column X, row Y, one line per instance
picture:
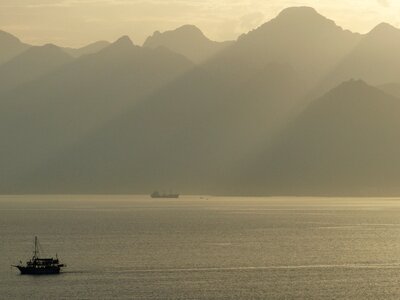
column 203, row 247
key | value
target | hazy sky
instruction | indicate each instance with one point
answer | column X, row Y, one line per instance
column 77, row 22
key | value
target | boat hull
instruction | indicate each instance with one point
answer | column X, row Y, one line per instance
column 39, row 271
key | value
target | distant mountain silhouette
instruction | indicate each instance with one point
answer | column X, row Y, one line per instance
column 10, row 46
column 345, row 143
column 186, row 135
column 235, row 118
column 61, row 108
column 376, row 59
column 31, row 64
column 89, row 49
column 300, row 37
column 187, row 40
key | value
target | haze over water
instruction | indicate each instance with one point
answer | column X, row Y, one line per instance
column 210, row 248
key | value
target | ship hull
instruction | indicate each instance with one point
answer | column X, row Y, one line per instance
column 38, row 271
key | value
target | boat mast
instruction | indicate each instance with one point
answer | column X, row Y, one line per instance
column 36, row 249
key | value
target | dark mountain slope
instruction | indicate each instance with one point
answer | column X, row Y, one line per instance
column 346, row 143
column 189, row 136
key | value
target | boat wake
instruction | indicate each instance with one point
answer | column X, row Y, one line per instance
column 261, row 268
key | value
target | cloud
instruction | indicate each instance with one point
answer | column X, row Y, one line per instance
column 82, row 21
column 384, row 3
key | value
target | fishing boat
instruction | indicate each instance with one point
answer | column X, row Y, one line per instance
column 38, row 265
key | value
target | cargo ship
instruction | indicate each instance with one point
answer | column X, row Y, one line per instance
column 38, row 265
column 168, row 196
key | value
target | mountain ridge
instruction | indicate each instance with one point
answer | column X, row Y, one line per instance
column 239, row 120
column 187, row 40
column 31, row 64
column 88, row 49
column 10, row 46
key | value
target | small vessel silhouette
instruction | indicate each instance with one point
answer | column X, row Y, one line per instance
column 38, row 265
column 156, row 194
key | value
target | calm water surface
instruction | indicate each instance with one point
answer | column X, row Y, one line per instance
column 134, row 247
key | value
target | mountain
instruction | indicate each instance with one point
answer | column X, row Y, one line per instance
column 298, row 36
column 10, row 46
column 61, row 108
column 31, row 64
column 89, row 49
column 345, row 143
column 187, row 40
column 189, row 135
column 376, row 59
column 130, row 119
column 392, row 88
